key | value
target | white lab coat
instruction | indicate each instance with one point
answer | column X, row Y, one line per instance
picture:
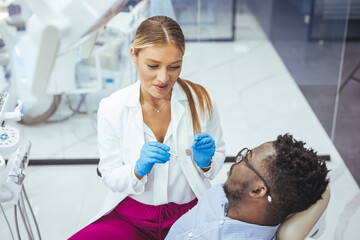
column 121, row 137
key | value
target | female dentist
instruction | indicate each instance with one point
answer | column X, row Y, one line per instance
column 144, row 131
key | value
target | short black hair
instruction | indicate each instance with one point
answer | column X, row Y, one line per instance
column 297, row 177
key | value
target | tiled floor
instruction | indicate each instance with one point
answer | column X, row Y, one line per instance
column 257, row 99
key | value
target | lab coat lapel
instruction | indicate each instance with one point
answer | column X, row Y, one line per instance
column 135, row 123
column 176, row 115
column 177, row 112
column 134, row 103
column 138, row 117
column 182, row 127
column 138, row 133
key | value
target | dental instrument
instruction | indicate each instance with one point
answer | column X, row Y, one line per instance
column 12, row 190
column 173, row 154
column 189, row 150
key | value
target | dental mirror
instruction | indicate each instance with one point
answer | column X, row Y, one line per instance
column 189, row 150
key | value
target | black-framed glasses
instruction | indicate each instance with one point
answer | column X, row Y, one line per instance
column 242, row 156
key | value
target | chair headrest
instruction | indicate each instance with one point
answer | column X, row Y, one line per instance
column 299, row 225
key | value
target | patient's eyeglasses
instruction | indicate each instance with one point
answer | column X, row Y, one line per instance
column 242, row 156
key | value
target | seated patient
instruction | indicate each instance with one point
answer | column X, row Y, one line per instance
column 264, row 186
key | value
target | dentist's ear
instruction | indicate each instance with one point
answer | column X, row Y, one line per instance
column 132, row 53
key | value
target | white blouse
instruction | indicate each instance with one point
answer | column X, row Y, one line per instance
column 166, row 182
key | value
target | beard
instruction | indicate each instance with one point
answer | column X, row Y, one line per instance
column 235, row 191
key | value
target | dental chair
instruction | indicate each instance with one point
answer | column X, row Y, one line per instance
column 298, row 226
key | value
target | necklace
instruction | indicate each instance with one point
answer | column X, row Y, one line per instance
column 156, row 110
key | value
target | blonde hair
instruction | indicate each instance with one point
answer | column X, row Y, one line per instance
column 162, row 30
column 158, row 30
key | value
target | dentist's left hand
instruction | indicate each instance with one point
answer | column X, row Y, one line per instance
column 151, row 153
column 204, row 149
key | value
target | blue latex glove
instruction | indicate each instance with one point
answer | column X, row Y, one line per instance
column 151, row 153
column 204, row 149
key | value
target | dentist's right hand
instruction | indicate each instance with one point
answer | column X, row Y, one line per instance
column 151, row 153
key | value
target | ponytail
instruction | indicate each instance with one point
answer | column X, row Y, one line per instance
column 204, row 101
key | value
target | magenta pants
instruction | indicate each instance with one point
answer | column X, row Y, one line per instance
column 134, row 220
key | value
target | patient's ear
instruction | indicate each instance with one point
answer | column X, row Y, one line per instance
column 258, row 190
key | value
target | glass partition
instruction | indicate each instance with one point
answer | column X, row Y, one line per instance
column 280, row 72
column 346, row 124
column 206, row 20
